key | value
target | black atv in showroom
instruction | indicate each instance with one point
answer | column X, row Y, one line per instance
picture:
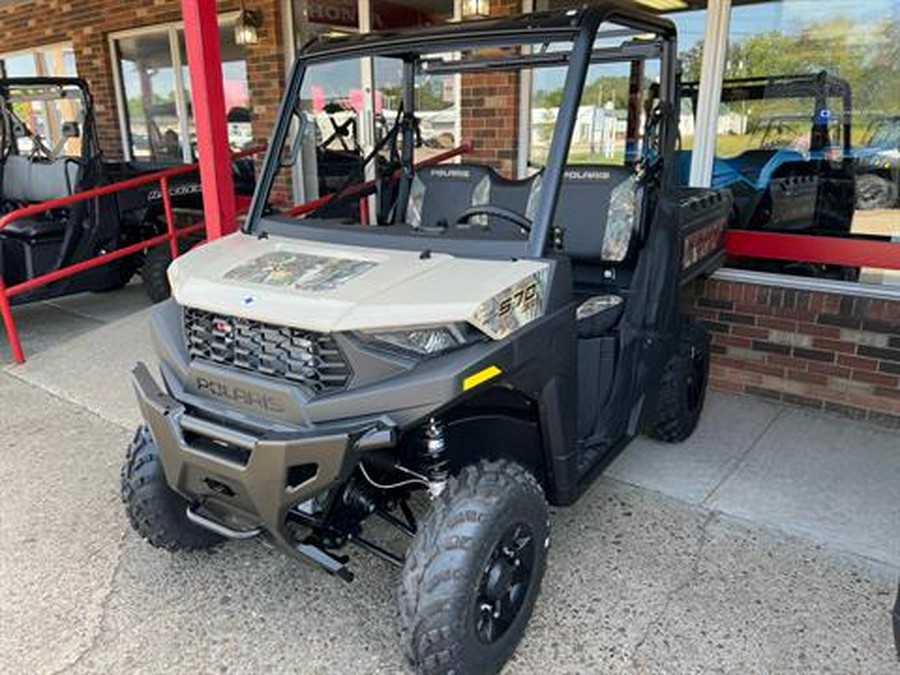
column 799, row 174
column 487, row 347
column 49, row 150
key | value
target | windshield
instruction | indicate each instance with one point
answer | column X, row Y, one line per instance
column 44, row 120
column 457, row 146
column 886, row 135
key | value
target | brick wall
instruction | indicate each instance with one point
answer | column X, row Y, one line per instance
column 490, row 110
column 831, row 352
column 87, row 25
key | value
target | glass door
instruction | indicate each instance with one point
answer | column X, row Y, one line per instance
column 350, row 104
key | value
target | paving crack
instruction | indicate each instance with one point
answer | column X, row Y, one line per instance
column 740, row 460
column 696, row 558
column 100, row 629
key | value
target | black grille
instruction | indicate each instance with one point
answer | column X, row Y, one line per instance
column 307, row 358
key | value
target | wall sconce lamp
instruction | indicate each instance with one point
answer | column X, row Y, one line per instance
column 245, row 30
column 476, row 9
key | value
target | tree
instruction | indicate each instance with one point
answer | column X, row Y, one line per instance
column 871, row 65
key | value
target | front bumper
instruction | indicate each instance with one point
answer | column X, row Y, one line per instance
column 240, row 482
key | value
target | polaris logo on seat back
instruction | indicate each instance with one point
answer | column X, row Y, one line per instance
column 250, row 399
column 586, row 174
column 451, row 173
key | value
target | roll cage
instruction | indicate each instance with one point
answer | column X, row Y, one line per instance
column 643, row 36
column 819, row 86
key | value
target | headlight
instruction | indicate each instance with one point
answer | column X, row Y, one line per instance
column 427, row 341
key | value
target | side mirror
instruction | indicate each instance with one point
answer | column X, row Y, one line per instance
column 71, row 130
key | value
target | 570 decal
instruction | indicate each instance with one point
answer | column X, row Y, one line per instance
column 523, row 299
column 512, row 308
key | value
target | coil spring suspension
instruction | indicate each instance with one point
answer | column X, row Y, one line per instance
column 359, row 497
column 434, row 457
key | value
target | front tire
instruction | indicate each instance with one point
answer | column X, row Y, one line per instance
column 473, row 572
column 874, row 192
column 155, row 511
column 682, row 391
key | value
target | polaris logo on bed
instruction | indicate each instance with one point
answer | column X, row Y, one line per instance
column 586, row 174
column 464, row 174
column 239, row 395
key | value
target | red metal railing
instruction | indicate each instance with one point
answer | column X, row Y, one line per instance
column 171, row 236
column 814, row 249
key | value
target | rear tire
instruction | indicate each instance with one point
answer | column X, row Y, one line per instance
column 155, row 511
column 682, row 390
column 474, row 571
column 155, row 273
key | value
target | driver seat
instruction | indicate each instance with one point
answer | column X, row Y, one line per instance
column 440, row 194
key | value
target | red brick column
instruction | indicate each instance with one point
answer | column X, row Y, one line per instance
column 827, row 351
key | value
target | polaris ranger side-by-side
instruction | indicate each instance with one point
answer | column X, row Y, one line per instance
column 491, row 342
column 49, row 150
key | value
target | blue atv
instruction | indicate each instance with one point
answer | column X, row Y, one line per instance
column 798, row 174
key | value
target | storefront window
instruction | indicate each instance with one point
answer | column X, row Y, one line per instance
column 605, row 133
column 52, row 60
column 396, row 14
column 155, row 93
column 237, row 92
column 148, row 82
column 805, row 135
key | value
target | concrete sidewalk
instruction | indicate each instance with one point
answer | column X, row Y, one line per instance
column 44, row 326
column 769, row 542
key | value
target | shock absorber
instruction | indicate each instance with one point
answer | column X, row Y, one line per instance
column 434, row 458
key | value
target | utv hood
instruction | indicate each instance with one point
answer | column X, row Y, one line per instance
column 328, row 288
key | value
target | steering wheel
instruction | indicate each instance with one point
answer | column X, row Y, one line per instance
column 496, row 211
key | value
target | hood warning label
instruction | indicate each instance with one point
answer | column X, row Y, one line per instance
column 300, row 271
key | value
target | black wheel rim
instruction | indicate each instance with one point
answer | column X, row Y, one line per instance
column 504, row 583
column 696, row 382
